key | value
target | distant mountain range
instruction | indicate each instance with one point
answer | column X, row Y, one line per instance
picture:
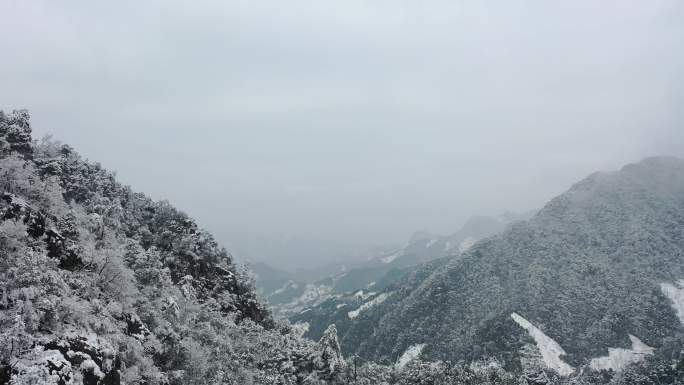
column 291, row 293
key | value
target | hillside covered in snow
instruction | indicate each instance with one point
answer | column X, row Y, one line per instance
column 100, row 285
column 592, row 281
column 302, row 300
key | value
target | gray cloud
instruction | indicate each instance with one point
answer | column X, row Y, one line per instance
column 341, row 124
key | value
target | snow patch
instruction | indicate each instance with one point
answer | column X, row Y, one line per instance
column 676, row 294
column 431, row 242
column 37, row 364
column 412, row 353
column 619, row 358
column 340, row 305
column 287, row 285
column 91, row 366
column 550, row 350
column 300, row 328
column 391, row 257
column 485, row 365
column 466, row 244
column 364, row 296
column 375, row 301
column 56, row 358
column 314, row 294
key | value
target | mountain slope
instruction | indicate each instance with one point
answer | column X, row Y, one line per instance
column 586, row 271
column 372, row 275
column 361, row 286
column 102, row 285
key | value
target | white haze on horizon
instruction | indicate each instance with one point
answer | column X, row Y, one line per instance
column 299, row 131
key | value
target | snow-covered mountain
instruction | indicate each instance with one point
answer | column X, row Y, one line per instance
column 359, row 287
column 295, row 295
column 100, row 285
column 591, row 281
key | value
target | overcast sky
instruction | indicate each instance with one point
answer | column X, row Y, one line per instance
column 336, row 124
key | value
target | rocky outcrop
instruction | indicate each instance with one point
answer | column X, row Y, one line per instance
column 328, row 360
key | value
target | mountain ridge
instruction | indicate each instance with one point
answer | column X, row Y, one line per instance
column 583, row 232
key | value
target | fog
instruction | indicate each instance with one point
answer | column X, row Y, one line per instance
column 300, row 132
